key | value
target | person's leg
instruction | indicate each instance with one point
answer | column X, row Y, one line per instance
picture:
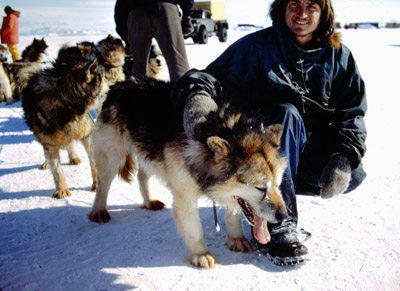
column 168, row 33
column 285, row 247
column 140, row 36
column 13, row 49
column 312, row 164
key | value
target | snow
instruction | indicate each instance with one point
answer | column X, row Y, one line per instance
column 49, row 244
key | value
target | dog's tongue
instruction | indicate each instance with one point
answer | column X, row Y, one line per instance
column 260, row 230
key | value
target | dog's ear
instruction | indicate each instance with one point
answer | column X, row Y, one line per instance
column 90, row 70
column 274, row 133
column 219, row 146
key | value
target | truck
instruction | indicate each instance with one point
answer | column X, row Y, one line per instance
column 208, row 19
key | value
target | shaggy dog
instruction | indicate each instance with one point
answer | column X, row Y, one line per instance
column 56, row 101
column 5, row 77
column 34, row 52
column 111, row 55
column 30, row 63
column 154, row 67
column 234, row 161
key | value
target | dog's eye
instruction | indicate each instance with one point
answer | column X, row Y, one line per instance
column 261, row 189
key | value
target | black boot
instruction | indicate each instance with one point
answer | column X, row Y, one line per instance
column 286, row 246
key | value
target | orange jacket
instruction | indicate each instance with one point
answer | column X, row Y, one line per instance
column 9, row 29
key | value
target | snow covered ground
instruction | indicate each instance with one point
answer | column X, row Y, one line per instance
column 48, row 244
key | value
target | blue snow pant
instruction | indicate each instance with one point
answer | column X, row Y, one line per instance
column 306, row 160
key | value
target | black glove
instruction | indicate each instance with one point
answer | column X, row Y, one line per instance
column 187, row 27
column 336, row 176
column 194, row 81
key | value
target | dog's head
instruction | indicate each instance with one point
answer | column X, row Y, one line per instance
column 3, row 54
column 79, row 62
column 238, row 164
column 156, row 59
column 112, row 51
column 40, row 45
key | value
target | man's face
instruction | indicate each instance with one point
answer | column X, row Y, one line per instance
column 302, row 18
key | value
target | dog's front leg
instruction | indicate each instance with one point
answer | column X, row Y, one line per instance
column 53, row 159
column 235, row 240
column 189, row 225
column 87, row 143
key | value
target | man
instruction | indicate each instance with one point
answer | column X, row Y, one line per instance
column 9, row 31
column 139, row 21
column 297, row 73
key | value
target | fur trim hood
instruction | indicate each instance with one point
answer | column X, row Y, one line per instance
column 335, row 40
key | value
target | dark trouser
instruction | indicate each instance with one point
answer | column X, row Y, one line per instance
column 306, row 161
column 161, row 21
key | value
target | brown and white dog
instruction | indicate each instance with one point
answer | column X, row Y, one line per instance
column 234, row 161
column 56, row 103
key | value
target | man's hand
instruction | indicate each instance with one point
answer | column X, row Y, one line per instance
column 336, row 176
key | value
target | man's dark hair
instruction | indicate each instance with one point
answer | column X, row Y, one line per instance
column 326, row 27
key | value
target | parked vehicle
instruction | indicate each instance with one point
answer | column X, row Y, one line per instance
column 208, row 19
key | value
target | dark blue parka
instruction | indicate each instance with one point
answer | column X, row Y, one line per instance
column 325, row 85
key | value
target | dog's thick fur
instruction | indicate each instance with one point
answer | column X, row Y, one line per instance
column 56, row 101
column 6, row 84
column 234, row 161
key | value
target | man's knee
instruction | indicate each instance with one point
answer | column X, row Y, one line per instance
column 358, row 175
column 288, row 113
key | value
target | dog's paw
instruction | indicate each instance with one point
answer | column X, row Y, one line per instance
column 94, row 186
column 206, row 261
column 60, row 194
column 100, row 216
column 45, row 166
column 154, row 205
column 75, row 161
column 238, row 244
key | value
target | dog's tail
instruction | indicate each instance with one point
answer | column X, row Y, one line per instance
column 126, row 171
column 23, row 76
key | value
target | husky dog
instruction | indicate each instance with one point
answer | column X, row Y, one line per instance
column 56, row 101
column 235, row 161
column 112, row 57
column 154, row 67
column 30, row 63
column 32, row 54
column 5, row 78
column 35, row 51
column 156, row 62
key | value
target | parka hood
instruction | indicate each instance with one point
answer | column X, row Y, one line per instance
column 335, row 40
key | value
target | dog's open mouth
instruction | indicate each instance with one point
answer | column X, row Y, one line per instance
column 246, row 210
column 260, row 226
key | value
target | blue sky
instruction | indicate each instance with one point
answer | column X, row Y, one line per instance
column 98, row 14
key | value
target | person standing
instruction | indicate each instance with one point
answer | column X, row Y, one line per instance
column 9, row 32
column 296, row 73
column 139, row 21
